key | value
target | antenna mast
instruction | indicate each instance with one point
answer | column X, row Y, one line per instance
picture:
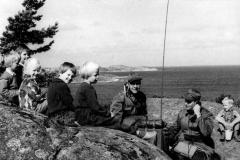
column 163, row 65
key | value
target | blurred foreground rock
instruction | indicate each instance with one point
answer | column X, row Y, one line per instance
column 25, row 136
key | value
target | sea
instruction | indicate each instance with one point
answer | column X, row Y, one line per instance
column 211, row 81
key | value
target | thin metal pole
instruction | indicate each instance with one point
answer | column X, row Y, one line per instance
column 163, row 58
column 163, row 67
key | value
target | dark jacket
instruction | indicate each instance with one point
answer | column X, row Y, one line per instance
column 88, row 110
column 8, row 87
column 19, row 74
column 125, row 105
column 195, row 129
column 128, row 108
column 59, row 97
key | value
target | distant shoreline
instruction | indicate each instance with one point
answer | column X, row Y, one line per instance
column 153, row 69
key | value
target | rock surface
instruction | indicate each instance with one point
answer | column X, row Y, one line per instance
column 25, row 136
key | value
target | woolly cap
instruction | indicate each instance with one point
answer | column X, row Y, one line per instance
column 192, row 95
column 133, row 77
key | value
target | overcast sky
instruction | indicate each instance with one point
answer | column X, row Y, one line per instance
column 130, row 32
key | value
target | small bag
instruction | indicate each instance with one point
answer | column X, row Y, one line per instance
column 228, row 134
column 194, row 151
column 185, row 148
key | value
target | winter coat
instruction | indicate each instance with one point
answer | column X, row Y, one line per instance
column 128, row 108
column 59, row 97
column 189, row 127
column 88, row 109
column 31, row 96
column 8, row 86
column 19, row 74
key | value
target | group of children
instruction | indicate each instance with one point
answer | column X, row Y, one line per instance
column 57, row 102
column 19, row 87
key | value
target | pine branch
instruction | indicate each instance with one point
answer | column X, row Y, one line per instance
column 33, row 4
column 43, row 48
column 21, row 29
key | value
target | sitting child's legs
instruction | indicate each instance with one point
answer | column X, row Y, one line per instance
column 221, row 127
column 221, row 130
column 236, row 127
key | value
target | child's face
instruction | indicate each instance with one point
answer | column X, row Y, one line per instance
column 24, row 56
column 14, row 65
column 66, row 76
column 34, row 70
column 227, row 103
column 94, row 77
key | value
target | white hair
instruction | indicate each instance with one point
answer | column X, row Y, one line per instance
column 88, row 68
column 11, row 58
column 30, row 64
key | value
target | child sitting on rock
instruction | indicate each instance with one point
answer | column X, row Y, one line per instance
column 60, row 101
column 31, row 96
column 88, row 109
column 8, row 84
column 228, row 118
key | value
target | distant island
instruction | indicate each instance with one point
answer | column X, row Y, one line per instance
column 106, row 77
column 123, row 68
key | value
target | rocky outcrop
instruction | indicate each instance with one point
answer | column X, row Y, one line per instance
column 27, row 136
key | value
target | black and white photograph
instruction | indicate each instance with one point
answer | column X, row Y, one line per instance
column 119, row 80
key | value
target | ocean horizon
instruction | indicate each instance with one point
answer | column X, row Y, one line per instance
column 211, row 81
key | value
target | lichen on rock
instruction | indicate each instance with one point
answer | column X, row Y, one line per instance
column 26, row 135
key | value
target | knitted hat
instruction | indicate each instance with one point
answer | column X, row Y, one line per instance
column 192, row 95
column 133, row 77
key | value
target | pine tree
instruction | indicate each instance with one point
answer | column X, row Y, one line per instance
column 21, row 30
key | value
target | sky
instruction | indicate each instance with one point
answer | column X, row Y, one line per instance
column 131, row 32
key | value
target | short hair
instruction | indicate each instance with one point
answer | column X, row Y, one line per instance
column 28, row 64
column 222, row 96
column 66, row 66
column 88, row 68
column 11, row 58
column 20, row 49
